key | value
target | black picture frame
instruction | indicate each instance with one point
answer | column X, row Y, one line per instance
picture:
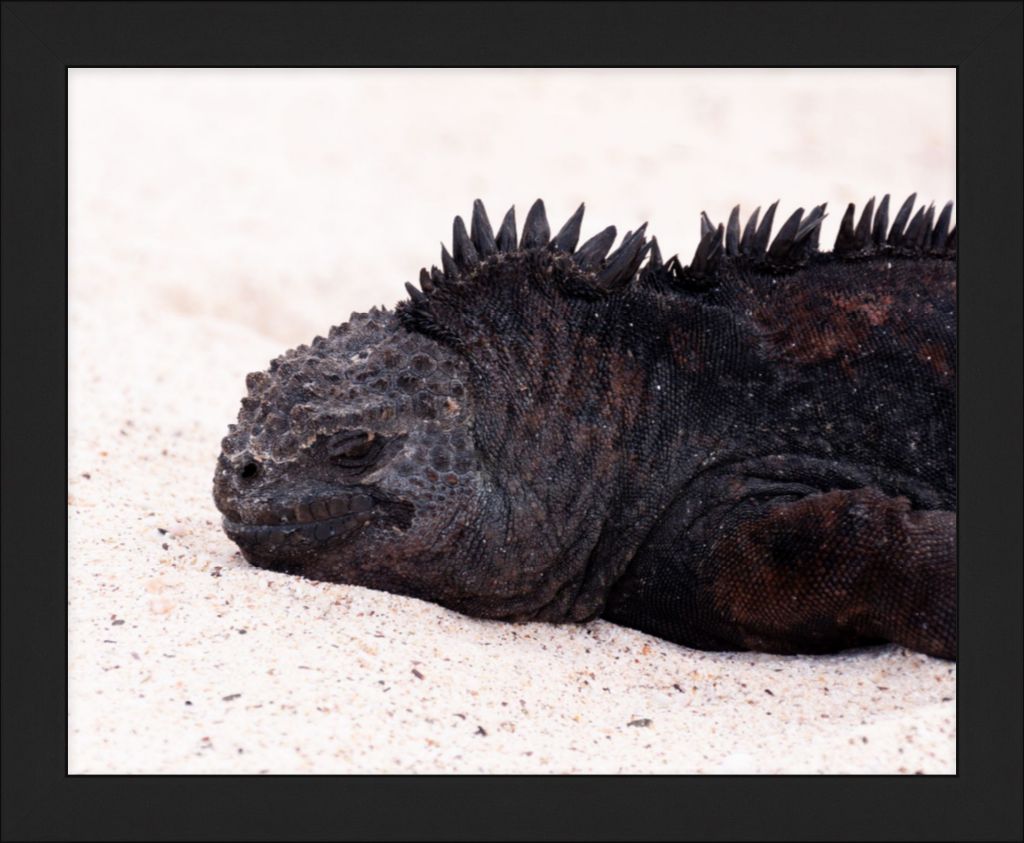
column 41, row 40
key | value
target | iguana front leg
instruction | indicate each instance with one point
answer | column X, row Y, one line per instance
column 796, row 572
column 838, row 566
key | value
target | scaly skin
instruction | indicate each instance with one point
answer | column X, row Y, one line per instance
column 752, row 452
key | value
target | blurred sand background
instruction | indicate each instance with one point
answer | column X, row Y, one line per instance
column 218, row 217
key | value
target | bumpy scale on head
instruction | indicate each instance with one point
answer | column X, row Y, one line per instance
column 349, row 456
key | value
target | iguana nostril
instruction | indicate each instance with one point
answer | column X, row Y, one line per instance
column 250, row 470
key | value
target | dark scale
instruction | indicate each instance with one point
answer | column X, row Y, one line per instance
column 754, row 451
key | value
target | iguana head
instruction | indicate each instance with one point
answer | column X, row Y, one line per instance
column 353, row 458
column 430, row 451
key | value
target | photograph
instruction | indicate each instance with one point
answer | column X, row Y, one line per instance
column 575, row 421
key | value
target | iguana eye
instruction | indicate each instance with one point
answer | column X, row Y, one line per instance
column 354, row 449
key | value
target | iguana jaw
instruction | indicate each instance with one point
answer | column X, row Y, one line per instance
column 277, row 525
column 271, row 545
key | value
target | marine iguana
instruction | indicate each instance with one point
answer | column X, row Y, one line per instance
column 754, row 451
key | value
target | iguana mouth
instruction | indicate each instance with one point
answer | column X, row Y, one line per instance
column 279, row 536
column 305, row 511
column 318, row 520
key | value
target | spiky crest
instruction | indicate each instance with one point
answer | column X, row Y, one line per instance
column 795, row 245
column 472, row 251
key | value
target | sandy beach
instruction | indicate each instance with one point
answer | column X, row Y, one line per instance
column 218, row 218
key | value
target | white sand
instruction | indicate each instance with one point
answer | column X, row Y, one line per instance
column 218, row 218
